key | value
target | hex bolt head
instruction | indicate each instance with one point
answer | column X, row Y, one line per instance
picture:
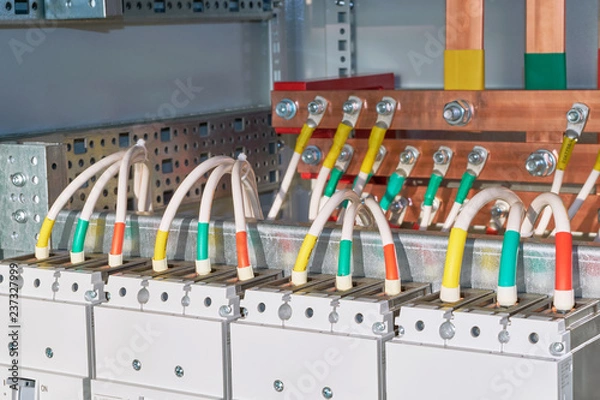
column 327, row 392
column 384, row 107
column 136, row 364
column 311, row 155
column 407, row 157
column 225, row 310
column 20, row 216
column 378, row 328
column 441, row 157
column 350, row 107
column 18, row 179
column 458, row 113
column 49, row 352
column 540, row 163
column 345, row 154
column 503, row 336
column 286, row 109
column 278, row 386
column 179, row 371
column 475, row 157
column 316, row 107
column 557, row 348
column 447, row 330
column 575, row 115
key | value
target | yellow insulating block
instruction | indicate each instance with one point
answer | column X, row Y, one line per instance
column 464, row 70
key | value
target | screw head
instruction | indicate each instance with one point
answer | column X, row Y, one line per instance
column 575, row 115
column 345, row 154
column 401, row 330
column 90, row 295
column 457, row 113
column 503, row 336
column 540, row 163
column 350, row 107
column 179, row 371
column 475, row 157
column 20, row 216
column 285, row 312
column 311, row 155
column 447, row 330
column 334, row 317
column 441, row 157
column 557, row 348
column 384, row 107
column 49, row 352
column 286, row 109
column 327, row 392
column 378, row 328
column 136, row 364
column 18, row 179
column 497, row 211
column 316, row 107
column 407, row 157
column 278, row 386
column 225, row 310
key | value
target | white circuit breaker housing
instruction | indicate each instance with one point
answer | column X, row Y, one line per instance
column 477, row 350
column 55, row 334
column 165, row 336
column 306, row 342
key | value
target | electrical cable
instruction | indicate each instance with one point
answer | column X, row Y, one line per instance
column 450, row 290
column 466, row 183
column 564, row 296
column 300, row 273
column 42, row 248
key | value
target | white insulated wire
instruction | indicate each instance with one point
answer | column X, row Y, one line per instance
column 285, row 186
column 547, row 213
column 121, row 210
column 317, row 193
column 451, row 216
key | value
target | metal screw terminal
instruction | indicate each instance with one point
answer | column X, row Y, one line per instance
column 90, row 295
column 278, row 386
column 225, row 310
column 20, row 216
column 503, row 336
column 49, row 352
column 350, row 107
column 557, row 348
column 378, row 328
column 458, row 113
column 540, row 163
column 136, row 364
column 316, row 107
column 334, row 317
column 447, row 330
column 311, row 155
column 575, row 115
column 345, row 154
column 408, row 157
column 179, row 371
column 441, row 157
column 476, row 157
column 286, row 109
column 498, row 211
column 399, row 205
column 18, row 179
column 384, row 108
column 285, row 312
column 327, row 392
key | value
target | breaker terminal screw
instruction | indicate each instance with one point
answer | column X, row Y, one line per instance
column 540, row 163
column 441, row 157
column 278, row 386
column 49, row 352
column 224, row 310
column 407, row 157
column 575, row 115
column 503, row 336
column 447, row 330
column 557, row 348
column 136, row 364
column 475, row 157
column 179, row 371
column 345, row 154
column 457, row 113
column 327, row 392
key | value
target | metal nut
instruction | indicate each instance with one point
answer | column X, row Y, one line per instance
column 575, row 115
column 540, row 163
column 476, row 157
column 408, row 157
column 20, row 216
column 458, row 113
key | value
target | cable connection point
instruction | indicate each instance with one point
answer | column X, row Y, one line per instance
column 242, row 157
column 160, row 265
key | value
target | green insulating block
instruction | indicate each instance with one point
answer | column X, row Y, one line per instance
column 545, row 71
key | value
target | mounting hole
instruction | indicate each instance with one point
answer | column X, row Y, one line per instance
column 207, row 302
column 34, row 160
column 35, row 180
column 309, row 312
column 122, row 292
column 261, row 307
column 75, row 287
column 37, row 218
column 359, row 318
column 1, row 278
column 8, row 6
column 36, row 199
column 475, row 331
column 36, row 283
column 534, row 338
column 164, row 296
column 420, row 325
